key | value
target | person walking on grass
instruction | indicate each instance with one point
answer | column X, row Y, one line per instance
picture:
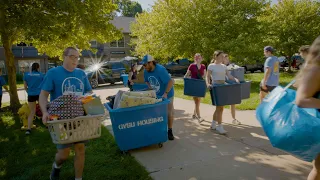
column 2, row 84
column 158, row 78
column 233, row 107
column 32, row 82
column 271, row 73
column 308, row 91
column 197, row 71
column 57, row 82
column 216, row 74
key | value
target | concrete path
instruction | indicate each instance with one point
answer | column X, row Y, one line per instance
column 198, row 153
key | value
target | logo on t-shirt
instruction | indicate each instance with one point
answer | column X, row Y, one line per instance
column 72, row 85
column 154, row 83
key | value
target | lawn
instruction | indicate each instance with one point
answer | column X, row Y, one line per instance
column 247, row 104
column 30, row 157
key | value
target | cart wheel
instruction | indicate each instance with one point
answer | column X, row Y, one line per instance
column 160, row 145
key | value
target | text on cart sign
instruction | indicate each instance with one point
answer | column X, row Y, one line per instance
column 140, row 123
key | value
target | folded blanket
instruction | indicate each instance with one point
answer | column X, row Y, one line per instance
column 130, row 101
column 151, row 93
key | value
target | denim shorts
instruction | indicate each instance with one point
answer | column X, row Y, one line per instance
column 64, row 146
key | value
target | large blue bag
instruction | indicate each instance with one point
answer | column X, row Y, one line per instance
column 290, row 128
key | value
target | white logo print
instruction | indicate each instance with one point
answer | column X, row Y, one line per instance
column 154, row 83
column 72, row 85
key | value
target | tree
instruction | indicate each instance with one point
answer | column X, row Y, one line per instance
column 129, row 8
column 291, row 24
column 181, row 28
column 51, row 26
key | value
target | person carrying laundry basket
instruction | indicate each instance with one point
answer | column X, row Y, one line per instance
column 233, row 107
column 158, row 78
column 216, row 74
column 196, row 71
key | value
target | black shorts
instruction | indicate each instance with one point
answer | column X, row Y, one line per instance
column 33, row 98
column 269, row 89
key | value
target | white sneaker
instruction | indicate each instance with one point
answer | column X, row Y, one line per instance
column 213, row 125
column 221, row 130
column 236, row 122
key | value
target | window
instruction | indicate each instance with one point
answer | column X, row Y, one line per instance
column 119, row 43
column 25, row 65
column 3, row 67
column 94, row 43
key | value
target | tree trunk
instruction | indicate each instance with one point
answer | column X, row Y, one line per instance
column 11, row 69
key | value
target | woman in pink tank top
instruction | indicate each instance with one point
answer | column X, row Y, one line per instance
column 196, row 71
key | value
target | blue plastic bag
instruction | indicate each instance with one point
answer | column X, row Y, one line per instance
column 288, row 127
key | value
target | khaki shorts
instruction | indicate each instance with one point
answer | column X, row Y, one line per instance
column 171, row 108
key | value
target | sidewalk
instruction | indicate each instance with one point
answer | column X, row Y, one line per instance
column 198, row 153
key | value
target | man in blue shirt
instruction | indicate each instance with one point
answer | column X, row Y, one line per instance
column 158, row 78
column 2, row 84
column 271, row 73
column 61, row 80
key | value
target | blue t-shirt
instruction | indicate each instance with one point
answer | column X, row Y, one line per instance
column 272, row 63
column 59, row 81
column 159, row 79
column 2, row 83
column 33, row 80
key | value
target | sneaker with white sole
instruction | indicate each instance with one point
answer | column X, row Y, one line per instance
column 236, row 122
column 221, row 130
column 213, row 125
column 194, row 117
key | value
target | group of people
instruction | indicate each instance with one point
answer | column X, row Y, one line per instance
column 60, row 79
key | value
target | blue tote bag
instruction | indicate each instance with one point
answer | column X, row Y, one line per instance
column 288, row 127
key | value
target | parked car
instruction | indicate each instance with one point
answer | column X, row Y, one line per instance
column 179, row 66
column 107, row 72
column 253, row 67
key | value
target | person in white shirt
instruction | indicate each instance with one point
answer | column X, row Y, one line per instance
column 233, row 107
column 216, row 74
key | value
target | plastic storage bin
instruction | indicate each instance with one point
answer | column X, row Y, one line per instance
column 125, row 79
column 245, row 89
column 140, row 126
column 195, row 87
column 225, row 94
column 238, row 73
column 138, row 86
column 75, row 130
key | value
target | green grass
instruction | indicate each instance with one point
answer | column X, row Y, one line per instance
column 30, row 157
column 247, row 104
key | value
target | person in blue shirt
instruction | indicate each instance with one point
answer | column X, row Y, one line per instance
column 158, row 78
column 2, row 84
column 271, row 73
column 32, row 82
column 61, row 80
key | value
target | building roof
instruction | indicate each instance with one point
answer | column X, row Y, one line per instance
column 123, row 23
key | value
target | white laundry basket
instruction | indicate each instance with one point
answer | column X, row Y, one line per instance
column 74, row 130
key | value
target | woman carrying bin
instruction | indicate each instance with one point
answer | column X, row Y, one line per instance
column 32, row 82
column 132, row 75
column 196, row 71
column 233, row 107
column 217, row 72
column 308, row 84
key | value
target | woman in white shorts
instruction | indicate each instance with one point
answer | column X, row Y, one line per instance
column 217, row 72
column 233, row 106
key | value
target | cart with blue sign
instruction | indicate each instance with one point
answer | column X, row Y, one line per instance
column 140, row 126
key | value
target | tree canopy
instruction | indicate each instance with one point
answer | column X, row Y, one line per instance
column 51, row 26
column 129, row 8
column 181, row 28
